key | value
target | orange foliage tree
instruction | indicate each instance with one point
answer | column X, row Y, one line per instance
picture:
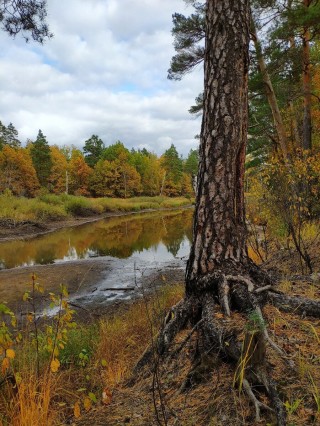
column 17, row 173
column 79, row 173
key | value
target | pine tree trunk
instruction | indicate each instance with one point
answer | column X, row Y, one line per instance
column 307, row 127
column 272, row 100
column 219, row 240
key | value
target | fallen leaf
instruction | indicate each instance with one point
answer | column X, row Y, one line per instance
column 87, row 403
column 10, row 353
column 5, row 365
column 55, row 364
column 106, row 396
column 77, row 410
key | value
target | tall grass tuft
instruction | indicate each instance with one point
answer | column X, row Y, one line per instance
column 124, row 337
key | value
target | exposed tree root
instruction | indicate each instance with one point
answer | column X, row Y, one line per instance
column 186, row 339
column 257, row 404
column 233, row 292
column 175, row 320
column 299, row 305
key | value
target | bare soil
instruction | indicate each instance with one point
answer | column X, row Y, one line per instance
column 75, row 275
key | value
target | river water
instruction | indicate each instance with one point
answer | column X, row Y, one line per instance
column 126, row 249
column 147, row 236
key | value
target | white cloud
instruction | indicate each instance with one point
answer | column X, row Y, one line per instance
column 104, row 72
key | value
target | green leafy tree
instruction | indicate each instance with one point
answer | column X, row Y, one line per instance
column 139, row 158
column 192, row 162
column 116, row 151
column 294, row 30
column 148, row 167
column 41, row 158
column 93, row 149
column 188, row 33
column 2, row 135
column 11, row 136
column 173, row 166
column 281, row 64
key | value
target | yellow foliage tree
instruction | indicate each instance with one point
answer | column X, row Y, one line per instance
column 79, row 173
column 17, row 173
column 57, row 179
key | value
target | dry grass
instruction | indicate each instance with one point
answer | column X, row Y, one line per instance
column 51, row 207
column 29, row 401
column 111, row 348
column 124, row 337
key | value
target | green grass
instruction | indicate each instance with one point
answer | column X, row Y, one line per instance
column 50, row 207
column 81, row 344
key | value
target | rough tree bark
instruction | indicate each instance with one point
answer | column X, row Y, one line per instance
column 271, row 96
column 219, row 225
column 307, row 124
column 219, row 270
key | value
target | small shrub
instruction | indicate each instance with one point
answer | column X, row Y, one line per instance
column 78, row 206
column 55, row 200
column 45, row 212
column 80, row 345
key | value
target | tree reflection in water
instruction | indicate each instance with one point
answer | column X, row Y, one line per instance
column 119, row 237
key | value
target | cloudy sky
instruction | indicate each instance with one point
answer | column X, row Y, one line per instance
column 103, row 73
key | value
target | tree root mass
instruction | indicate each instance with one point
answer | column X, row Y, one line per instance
column 208, row 315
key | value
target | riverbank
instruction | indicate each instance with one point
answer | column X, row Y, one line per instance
column 27, row 218
column 94, row 285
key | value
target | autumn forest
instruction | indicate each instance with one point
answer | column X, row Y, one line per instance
column 97, row 171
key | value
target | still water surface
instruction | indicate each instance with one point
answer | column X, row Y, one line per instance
column 157, row 236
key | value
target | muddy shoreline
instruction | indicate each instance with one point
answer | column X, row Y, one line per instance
column 90, row 291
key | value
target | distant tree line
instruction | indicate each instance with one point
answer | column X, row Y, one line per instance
column 97, row 170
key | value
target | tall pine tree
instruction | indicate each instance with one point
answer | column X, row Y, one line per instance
column 41, row 158
column 93, row 149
